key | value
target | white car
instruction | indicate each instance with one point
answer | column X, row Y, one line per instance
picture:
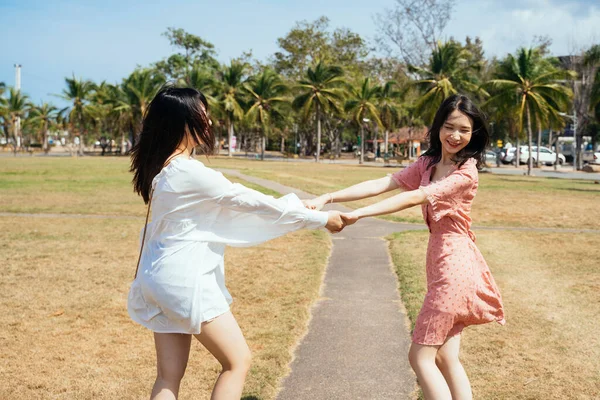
column 490, row 157
column 591, row 157
column 547, row 156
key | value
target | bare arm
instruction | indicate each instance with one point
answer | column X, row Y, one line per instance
column 391, row 205
column 359, row 191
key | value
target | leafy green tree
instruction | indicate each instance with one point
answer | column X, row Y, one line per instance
column 362, row 104
column 78, row 93
column 450, row 70
column 531, row 83
column 232, row 96
column 267, row 99
column 320, row 90
column 44, row 116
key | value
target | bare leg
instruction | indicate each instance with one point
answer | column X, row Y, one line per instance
column 224, row 339
column 448, row 362
column 172, row 353
column 431, row 380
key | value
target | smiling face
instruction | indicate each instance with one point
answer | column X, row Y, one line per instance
column 456, row 132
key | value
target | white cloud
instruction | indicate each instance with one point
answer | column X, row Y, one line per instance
column 505, row 26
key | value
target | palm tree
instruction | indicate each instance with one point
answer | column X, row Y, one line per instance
column 139, row 89
column 78, row 92
column 362, row 104
column 390, row 111
column 4, row 111
column 321, row 90
column 17, row 105
column 231, row 99
column 44, row 114
column 530, row 82
column 592, row 58
column 449, row 71
column 267, row 96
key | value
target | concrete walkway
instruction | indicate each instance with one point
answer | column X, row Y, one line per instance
column 357, row 341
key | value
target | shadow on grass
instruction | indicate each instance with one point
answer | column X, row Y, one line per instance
column 250, row 398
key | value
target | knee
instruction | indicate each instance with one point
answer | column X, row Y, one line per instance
column 170, row 373
column 415, row 359
column 241, row 363
column 445, row 361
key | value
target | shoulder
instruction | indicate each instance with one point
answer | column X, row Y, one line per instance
column 193, row 173
column 424, row 163
column 469, row 168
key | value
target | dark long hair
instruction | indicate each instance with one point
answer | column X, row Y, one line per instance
column 479, row 139
column 170, row 117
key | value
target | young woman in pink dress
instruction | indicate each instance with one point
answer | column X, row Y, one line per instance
column 460, row 288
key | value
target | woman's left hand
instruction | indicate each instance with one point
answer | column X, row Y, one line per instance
column 314, row 204
column 349, row 218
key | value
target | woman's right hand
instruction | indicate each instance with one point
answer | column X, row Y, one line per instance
column 335, row 223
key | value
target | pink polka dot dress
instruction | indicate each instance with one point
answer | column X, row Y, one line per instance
column 460, row 288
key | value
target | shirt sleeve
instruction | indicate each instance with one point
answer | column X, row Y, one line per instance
column 409, row 178
column 446, row 196
column 247, row 217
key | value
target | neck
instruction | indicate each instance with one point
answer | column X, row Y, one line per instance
column 446, row 158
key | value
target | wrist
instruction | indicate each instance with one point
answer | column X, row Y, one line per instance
column 357, row 214
column 327, row 198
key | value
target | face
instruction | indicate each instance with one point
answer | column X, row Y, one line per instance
column 456, row 132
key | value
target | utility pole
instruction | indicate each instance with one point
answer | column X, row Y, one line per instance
column 18, row 120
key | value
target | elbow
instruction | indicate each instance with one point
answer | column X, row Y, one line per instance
column 417, row 197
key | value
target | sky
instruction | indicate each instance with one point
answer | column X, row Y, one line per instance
column 106, row 40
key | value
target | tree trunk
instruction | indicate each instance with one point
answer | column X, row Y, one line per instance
column 539, row 143
column 529, row 142
column 262, row 146
column 385, row 146
column 45, row 144
column 578, row 161
column 518, row 153
column 362, row 144
column 230, row 135
column 318, row 133
column 282, row 144
column 557, row 151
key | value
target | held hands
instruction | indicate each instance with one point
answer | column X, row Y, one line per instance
column 349, row 218
column 335, row 223
column 338, row 221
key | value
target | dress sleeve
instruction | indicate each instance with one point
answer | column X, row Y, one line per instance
column 446, row 196
column 247, row 217
column 409, row 178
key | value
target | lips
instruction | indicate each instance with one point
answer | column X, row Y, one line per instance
column 453, row 144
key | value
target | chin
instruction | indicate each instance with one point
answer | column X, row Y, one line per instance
column 453, row 151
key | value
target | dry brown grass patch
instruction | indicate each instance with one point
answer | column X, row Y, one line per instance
column 549, row 348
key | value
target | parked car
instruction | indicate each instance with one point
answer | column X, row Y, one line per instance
column 591, row 157
column 508, row 155
column 490, row 157
column 547, row 156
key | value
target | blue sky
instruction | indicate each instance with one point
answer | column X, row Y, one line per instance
column 105, row 40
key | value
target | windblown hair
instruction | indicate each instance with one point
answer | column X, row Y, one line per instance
column 172, row 117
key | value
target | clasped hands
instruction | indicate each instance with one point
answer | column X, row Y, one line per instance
column 337, row 220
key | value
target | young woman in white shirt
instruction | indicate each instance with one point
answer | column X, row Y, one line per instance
column 179, row 288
